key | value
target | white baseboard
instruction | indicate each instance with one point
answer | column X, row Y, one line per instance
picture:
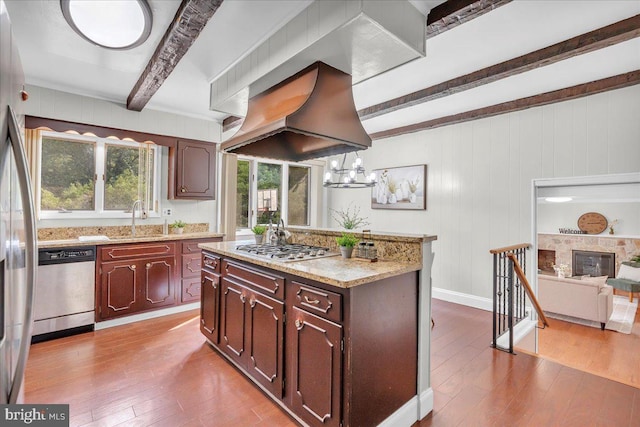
column 463, row 299
column 145, row 316
column 520, row 331
column 415, row 409
column 426, row 403
column 406, row 415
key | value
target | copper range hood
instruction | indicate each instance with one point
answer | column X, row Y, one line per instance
column 309, row 115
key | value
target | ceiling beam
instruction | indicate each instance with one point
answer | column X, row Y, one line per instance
column 231, row 122
column 441, row 18
column 603, row 37
column 189, row 21
column 452, row 13
column 573, row 92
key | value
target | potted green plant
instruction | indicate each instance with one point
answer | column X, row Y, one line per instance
column 349, row 219
column 178, row 226
column 258, row 232
column 346, row 242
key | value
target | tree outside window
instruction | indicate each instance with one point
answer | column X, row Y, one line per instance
column 95, row 174
column 67, row 175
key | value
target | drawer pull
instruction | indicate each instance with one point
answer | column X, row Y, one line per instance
column 298, row 324
column 133, row 267
column 311, row 301
column 208, row 262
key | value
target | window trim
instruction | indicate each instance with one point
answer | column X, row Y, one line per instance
column 153, row 211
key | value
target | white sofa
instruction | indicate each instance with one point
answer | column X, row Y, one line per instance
column 587, row 298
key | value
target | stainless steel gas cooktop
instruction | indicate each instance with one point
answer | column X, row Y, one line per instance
column 290, row 252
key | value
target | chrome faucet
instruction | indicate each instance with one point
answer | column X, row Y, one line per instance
column 280, row 235
column 133, row 215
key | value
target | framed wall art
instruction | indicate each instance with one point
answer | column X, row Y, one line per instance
column 400, row 188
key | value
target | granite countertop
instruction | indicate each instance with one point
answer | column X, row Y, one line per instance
column 373, row 234
column 127, row 239
column 335, row 271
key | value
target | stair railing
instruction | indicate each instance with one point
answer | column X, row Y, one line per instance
column 510, row 287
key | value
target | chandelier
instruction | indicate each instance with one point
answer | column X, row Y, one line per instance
column 354, row 177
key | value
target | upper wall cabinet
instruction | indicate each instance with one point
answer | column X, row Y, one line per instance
column 194, row 171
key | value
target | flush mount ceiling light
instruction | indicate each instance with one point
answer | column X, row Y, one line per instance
column 113, row 24
column 341, row 177
column 558, row 199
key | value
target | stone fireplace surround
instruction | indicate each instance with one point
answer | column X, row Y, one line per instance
column 624, row 248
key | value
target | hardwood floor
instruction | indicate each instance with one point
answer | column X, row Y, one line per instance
column 475, row 385
column 161, row 372
column 605, row 353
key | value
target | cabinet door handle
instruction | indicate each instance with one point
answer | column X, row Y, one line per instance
column 252, row 302
column 133, row 267
column 148, row 265
column 183, row 189
column 311, row 301
column 298, row 324
column 243, row 298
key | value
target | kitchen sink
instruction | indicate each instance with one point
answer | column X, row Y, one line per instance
column 97, row 238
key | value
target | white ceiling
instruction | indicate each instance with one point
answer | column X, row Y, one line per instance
column 54, row 56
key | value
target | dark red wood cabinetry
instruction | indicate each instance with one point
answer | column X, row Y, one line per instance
column 191, row 260
column 252, row 327
column 210, row 298
column 350, row 354
column 194, row 165
column 315, row 369
column 135, row 278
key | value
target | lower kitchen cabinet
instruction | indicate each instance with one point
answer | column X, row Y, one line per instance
column 350, row 354
column 315, row 372
column 130, row 286
column 252, row 329
column 191, row 261
column 136, row 277
column 210, row 305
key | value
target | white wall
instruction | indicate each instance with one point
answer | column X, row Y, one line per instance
column 59, row 105
column 552, row 216
column 480, row 172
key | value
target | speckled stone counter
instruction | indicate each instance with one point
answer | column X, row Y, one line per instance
column 112, row 231
column 335, row 271
column 62, row 243
column 390, row 246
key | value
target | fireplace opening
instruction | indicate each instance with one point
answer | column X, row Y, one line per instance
column 593, row 263
column 546, row 260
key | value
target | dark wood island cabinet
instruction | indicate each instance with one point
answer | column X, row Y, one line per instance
column 330, row 356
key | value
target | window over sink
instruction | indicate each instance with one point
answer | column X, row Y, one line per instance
column 273, row 190
column 82, row 176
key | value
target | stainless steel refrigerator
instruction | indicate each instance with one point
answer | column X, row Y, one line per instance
column 18, row 254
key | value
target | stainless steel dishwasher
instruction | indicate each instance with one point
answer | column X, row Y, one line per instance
column 65, row 292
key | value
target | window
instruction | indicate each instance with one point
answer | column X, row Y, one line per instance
column 84, row 176
column 269, row 190
column 298, row 212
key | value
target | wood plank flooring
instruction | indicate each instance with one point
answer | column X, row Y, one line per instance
column 161, row 373
column 605, row 353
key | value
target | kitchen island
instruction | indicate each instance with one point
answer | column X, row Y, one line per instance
column 333, row 341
